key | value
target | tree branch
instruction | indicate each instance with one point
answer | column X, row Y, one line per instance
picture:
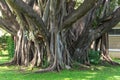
column 46, row 12
column 21, row 7
column 8, row 26
column 80, row 12
column 8, row 21
column 108, row 23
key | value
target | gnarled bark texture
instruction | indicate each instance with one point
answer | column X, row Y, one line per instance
column 52, row 34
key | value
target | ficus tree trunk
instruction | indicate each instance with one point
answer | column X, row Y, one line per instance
column 53, row 34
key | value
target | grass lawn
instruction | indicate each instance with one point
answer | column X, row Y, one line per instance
column 99, row 73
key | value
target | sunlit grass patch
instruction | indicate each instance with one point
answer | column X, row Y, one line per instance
column 4, row 59
column 99, row 72
column 107, row 73
column 4, row 52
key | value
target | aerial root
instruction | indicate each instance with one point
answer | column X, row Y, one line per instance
column 108, row 59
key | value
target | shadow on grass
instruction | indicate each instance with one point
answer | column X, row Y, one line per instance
column 100, row 72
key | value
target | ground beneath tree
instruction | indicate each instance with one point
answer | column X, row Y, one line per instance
column 101, row 73
column 96, row 72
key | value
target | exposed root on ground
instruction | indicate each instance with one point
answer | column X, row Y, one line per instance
column 108, row 59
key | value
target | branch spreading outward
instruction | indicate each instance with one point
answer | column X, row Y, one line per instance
column 7, row 21
column 20, row 6
column 80, row 12
column 108, row 24
column 8, row 26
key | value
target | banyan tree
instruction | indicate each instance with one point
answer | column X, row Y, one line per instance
column 53, row 34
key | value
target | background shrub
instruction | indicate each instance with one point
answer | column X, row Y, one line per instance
column 7, row 44
column 10, row 46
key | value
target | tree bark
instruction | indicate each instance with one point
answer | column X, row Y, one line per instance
column 49, row 36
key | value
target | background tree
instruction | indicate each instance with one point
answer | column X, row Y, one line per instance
column 53, row 34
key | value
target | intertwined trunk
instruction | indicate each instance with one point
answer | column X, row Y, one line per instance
column 52, row 35
column 36, row 46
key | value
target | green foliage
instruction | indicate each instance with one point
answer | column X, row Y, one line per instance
column 94, row 56
column 96, row 73
column 103, row 11
column 3, row 43
column 10, row 46
column 78, row 3
column 95, row 23
column 101, row 73
column 45, row 62
column 118, row 2
column 7, row 44
column 113, row 4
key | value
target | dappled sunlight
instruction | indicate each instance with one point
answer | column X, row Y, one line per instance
column 4, row 68
column 105, row 73
column 67, row 78
column 113, row 78
column 117, row 77
column 100, row 67
column 4, row 59
column 89, row 77
column 4, row 52
column 97, row 72
column 82, row 79
column 7, row 68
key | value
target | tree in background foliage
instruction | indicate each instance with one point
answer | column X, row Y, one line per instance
column 10, row 46
column 53, row 34
column 6, row 44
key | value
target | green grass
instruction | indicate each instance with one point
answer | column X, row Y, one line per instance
column 105, row 73
column 99, row 73
column 3, row 59
column 3, row 52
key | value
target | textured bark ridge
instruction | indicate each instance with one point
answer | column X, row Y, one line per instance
column 53, row 35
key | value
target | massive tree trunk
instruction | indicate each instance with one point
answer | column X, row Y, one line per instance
column 52, row 34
